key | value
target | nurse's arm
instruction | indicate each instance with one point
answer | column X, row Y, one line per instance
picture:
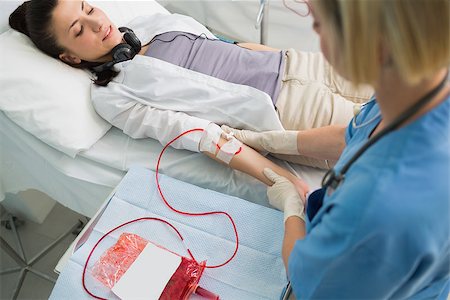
column 322, row 143
column 253, row 163
column 294, row 229
column 325, row 143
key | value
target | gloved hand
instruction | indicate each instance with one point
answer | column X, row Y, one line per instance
column 277, row 141
column 284, row 196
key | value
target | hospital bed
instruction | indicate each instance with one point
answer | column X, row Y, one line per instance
column 82, row 180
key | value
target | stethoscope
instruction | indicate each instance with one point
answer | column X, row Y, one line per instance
column 357, row 109
column 333, row 178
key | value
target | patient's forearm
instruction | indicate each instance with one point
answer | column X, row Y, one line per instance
column 253, row 163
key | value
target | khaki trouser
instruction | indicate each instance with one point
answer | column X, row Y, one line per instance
column 313, row 95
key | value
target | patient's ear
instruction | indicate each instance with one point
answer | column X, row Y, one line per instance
column 70, row 59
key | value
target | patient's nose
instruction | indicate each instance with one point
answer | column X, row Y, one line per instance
column 96, row 24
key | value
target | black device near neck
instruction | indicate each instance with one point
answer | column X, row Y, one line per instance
column 333, row 179
column 123, row 51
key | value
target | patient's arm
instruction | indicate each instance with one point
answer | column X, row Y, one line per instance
column 253, row 163
column 257, row 47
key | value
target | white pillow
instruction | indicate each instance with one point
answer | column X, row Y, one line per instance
column 50, row 99
column 122, row 12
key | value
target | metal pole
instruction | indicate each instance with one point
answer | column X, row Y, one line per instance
column 265, row 24
column 262, row 20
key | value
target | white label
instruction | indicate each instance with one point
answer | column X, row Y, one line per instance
column 147, row 277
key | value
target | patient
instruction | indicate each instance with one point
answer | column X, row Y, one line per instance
column 184, row 78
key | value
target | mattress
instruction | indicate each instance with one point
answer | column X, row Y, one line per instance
column 82, row 183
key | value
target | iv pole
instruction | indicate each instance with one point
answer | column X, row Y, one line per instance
column 262, row 20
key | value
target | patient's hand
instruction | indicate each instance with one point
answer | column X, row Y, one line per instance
column 301, row 186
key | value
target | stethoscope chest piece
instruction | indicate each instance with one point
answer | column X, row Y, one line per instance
column 332, row 180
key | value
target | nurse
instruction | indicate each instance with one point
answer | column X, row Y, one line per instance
column 382, row 229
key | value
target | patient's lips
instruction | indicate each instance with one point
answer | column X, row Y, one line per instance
column 108, row 33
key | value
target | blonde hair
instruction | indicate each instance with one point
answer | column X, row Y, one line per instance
column 415, row 33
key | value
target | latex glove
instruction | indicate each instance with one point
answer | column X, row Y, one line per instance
column 284, row 196
column 277, row 141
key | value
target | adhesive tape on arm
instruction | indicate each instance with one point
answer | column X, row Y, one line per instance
column 228, row 150
column 210, row 138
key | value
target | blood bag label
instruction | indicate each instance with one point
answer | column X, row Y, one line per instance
column 147, row 277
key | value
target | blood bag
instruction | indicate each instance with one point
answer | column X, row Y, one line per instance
column 115, row 262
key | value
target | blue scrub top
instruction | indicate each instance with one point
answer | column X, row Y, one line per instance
column 385, row 232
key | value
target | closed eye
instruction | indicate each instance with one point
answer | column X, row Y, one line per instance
column 91, row 11
column 80, row 32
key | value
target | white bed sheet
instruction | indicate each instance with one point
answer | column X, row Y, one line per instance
column 82, row 183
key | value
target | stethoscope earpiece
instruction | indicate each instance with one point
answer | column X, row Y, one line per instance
column 356, row 109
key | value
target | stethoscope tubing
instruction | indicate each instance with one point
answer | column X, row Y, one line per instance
column 333, row 179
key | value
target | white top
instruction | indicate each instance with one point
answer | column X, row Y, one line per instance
column 156, row 99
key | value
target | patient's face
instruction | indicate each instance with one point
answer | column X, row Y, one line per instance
column 84, row 31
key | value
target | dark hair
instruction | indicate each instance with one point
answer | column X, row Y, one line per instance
column 33, row 18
